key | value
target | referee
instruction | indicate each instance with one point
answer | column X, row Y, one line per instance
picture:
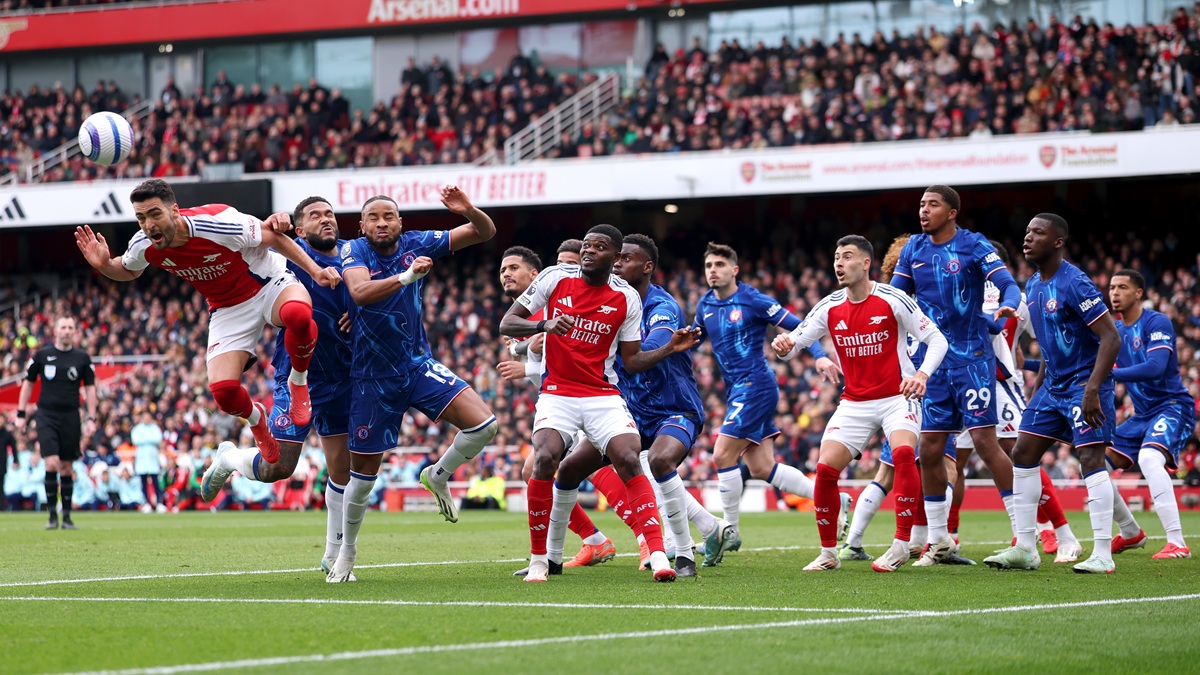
column 63, row 368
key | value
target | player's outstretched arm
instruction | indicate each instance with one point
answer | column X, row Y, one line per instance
column 1106, row 358
column 636, row 360
column 480, row 229
column 1153, row 368
column 366, row 291
column 325, row 276
column 95, row 251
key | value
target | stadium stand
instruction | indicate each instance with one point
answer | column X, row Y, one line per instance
column 976, row 83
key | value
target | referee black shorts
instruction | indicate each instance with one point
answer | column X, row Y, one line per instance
column 59, row 434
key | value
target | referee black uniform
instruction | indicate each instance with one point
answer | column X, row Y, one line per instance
column 59, row 430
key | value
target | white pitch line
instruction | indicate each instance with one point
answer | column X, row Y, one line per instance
column 189, row 575
column 699, row 630
column 465, row 603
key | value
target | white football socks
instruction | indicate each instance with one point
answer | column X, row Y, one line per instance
column 699, row 516
column 1027, row 492
column 1100, row 509
column 355, row 502
column 334, row 497
column 675, row 496
column 241, row 460
column 790, row 479
column 1154, row 468
column 560, row 515
column 729, row 480
column 467, row 443
column 864, row 512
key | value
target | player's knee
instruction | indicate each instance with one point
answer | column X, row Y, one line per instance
column 904, row 454
column 544, row 465
column 229, row 396
column 661, row 465
column 1151, row 459
column 295, row 312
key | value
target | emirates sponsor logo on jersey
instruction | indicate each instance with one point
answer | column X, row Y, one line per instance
column 1089, row 303
column 204, row 273
column 863, row 344
column 587, row 331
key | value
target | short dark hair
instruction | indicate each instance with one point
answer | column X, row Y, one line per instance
column 526, row 255
column 298, row 214
column 948, row 194
column 570, row 246
column 377, row 198
column 858, row 241
column 149, row 189
column 1134, row 276
column 722, row 251
column 1058, row 222
column 646, row 244
column 614, row 235
column 1000, row 250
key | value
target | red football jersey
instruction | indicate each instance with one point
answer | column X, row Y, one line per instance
column 223, row 257
column 580, row 364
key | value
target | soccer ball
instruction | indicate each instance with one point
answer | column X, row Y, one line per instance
column 106, row 138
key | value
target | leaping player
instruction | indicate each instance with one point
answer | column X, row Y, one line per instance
column 225, row 254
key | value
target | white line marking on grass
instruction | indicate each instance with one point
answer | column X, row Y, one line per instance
column 699, row 630
column 187, row 575
column 466, row 603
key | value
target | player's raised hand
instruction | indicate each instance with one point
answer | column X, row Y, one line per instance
column 92, row 245
column 456, row 200
column 684, row 339
column 559, row 325
column 1006, row 313
column 784, row 343
column 827, row 368
column 278, row 222
column 328, row 277
column 914, row 387
column 511, row 371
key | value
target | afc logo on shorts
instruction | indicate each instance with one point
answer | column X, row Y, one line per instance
column 362, row 433
column 283, row 421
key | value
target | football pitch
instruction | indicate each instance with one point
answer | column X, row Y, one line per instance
column 197, row 592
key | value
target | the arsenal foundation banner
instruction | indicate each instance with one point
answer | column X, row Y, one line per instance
column 138, row 23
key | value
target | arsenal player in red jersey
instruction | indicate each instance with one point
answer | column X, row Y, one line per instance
column 225, row 254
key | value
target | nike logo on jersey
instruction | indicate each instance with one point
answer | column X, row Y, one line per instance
column 167, row 262
column 605, row 309
column 708, row 315
column 916, row 265
column 51, row 358
column 211, row 258
column 876, row 320
column 565, row 302
column 841, row 326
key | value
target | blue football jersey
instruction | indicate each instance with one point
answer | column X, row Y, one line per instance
column 331, row 357
column 1061, row 311
column 737, row 328
column 388, row 337
column 949, row 282
column 670, row 387
column 1152, row 331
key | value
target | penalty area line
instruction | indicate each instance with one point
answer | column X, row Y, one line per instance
column 599, row 637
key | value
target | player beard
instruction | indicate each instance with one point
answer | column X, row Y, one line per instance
column 322, row 243
column 383, row 243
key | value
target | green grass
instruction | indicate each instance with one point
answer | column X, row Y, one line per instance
column 763, row 614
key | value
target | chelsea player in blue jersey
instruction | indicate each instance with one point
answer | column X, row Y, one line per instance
column 329, row 390
column 1074, row 399
column 947, row 266
column 1164, row 413
column 734, row 317
column 666, row 405
column 392, row 368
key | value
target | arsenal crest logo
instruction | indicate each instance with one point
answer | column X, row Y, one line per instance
column 748, row 170
column 1047, row 155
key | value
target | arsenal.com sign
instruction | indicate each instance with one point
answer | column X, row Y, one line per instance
column 405, row 11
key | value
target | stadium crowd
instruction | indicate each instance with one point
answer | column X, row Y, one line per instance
column 167, row 407
column 965, row 83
